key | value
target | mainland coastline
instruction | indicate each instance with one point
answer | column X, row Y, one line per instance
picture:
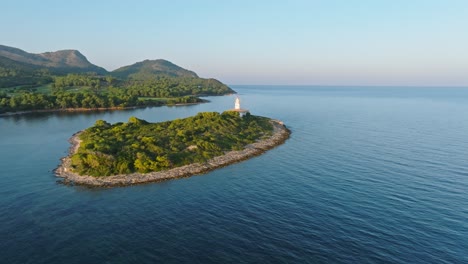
column 279, row 136
column 96, row 109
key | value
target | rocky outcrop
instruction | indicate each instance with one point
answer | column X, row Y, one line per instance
column 279, row 136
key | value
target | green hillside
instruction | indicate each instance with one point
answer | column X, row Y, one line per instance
column 14, row 73
column 58, row 62
column 150, row 69
column 66, row 80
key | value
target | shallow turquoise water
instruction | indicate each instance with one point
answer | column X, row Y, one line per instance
column 369, row 175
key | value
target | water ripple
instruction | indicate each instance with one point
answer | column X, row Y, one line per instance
column 368, row 176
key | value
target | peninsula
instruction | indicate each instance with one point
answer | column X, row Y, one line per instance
column 138, row 152
column 66, row 81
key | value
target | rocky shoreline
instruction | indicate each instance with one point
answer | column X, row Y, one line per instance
column 279, row 136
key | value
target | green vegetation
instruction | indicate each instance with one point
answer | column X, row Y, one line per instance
column 79, row 91
column 147, row 69
column 139, row 146
column 67, row 80
column 13, row 73
column 18, row 67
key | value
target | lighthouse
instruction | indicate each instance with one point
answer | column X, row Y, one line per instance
column 237, row 104
column 238, row 109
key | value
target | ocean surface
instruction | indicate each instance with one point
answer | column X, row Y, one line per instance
column 369, row 175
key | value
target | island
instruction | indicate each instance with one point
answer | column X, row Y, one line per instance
column 138, row 152
column 66, row 81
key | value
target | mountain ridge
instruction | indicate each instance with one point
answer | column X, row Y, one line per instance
column 67, row 61
column 18, row 67
column 60, row 62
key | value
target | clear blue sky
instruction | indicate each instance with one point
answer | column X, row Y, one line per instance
column 331, row 42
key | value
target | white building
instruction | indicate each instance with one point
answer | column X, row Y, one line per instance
column 237, row 108
column 237, row 104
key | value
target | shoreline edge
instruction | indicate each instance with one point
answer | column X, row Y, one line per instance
column 96, row 109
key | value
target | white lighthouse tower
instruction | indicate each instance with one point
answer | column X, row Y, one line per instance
column 238, row 109
column 237, row 104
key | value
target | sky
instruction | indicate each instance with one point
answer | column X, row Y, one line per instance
column 295, row 42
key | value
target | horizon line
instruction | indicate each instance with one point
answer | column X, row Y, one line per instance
column 356, row 85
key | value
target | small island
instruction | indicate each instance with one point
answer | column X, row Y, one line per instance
column 138, row 151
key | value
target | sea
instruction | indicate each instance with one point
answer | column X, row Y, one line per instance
column 369, row 175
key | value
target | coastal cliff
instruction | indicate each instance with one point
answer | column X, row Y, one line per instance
column 279, row 136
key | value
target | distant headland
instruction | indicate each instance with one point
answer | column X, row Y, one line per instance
column 66, row 81
column 136, row 152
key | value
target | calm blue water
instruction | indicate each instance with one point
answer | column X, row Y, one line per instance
column 370, row 175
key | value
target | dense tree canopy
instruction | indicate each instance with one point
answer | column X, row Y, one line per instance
column 91, row 91
column 14, row 75
column 139, row 146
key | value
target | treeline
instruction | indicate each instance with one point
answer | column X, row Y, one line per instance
column 139, row 146
column 72, row 80
column 175, row 86
column 37, row 101
column 11, row 76
column 92, row 91
column 66, row 100
column 161, row 87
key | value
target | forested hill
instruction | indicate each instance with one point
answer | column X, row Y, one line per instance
column 149, row 69
column 66, row 80
column 18, row 67
column 14, row 73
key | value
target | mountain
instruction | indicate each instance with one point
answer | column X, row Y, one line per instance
column 58, row 62
column 18, row 68
column 148, row 69
column 17, row 65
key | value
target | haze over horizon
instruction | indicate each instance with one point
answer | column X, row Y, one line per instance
column 410, row 43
